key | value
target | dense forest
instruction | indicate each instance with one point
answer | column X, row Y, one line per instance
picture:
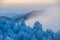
column 20, row 31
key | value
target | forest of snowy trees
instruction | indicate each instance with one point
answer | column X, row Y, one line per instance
column 12, row 31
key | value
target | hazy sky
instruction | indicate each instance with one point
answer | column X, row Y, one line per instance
column 27, row 1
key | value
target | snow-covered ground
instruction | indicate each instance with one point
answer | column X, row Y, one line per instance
column 49, row 18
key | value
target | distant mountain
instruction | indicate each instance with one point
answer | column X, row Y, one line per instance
column 29, row 15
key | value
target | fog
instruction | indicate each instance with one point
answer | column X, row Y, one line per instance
column 49, row 18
